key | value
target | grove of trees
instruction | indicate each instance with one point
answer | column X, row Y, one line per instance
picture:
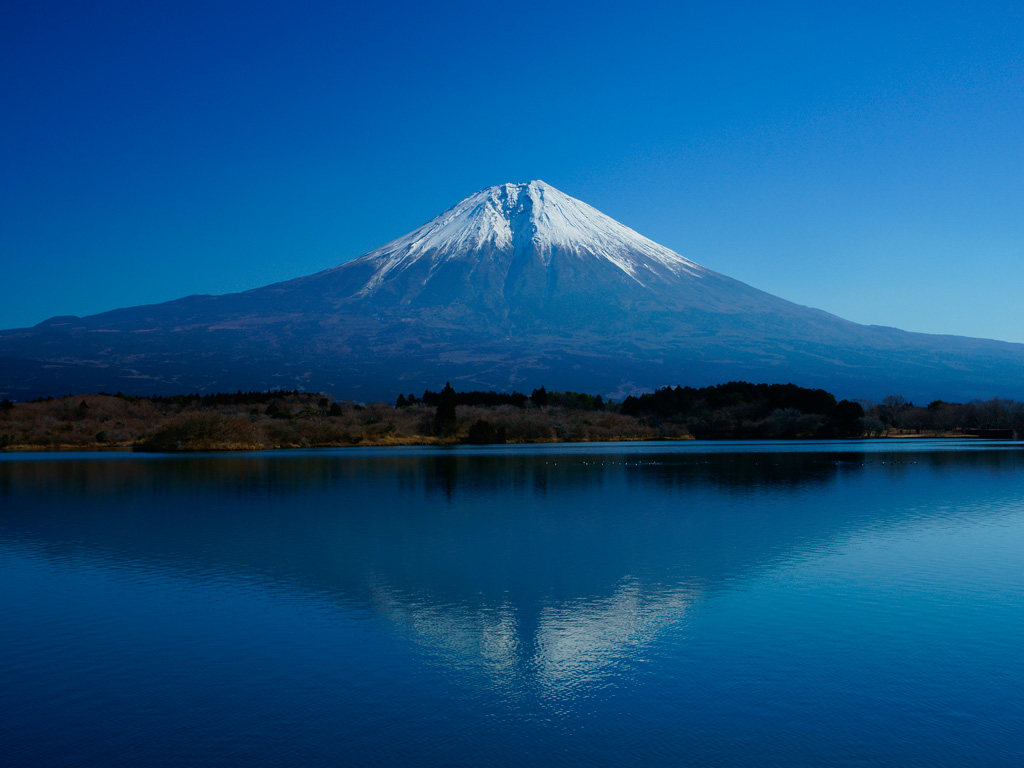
column 255, row 420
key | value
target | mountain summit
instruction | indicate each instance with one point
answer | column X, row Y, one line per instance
column 516, row 286
column 518, row 223
column 514, row 254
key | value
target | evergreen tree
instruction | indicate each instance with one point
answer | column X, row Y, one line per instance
column 847, row 416
column 539, row 397
column 446, row 423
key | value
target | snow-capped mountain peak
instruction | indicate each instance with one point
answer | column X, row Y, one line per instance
column 535, row 217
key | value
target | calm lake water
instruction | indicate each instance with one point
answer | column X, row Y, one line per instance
column 704, row 604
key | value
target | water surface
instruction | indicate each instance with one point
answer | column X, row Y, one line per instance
column 626, row 604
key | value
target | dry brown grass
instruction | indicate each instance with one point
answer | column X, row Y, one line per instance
column 88, row 422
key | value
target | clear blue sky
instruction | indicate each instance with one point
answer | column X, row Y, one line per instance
column 867, row 159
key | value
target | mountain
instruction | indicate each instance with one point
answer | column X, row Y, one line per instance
column 516, row 286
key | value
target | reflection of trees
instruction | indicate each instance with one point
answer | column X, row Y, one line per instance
column 745, row 473
column 449, row 473
column 443, row 477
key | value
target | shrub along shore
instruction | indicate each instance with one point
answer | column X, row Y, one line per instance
column 244, row 421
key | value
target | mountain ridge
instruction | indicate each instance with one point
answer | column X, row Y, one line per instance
column 516, row 285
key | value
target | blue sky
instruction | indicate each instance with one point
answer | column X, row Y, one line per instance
column 866, row 159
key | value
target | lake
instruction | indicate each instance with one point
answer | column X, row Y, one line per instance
column 638, row 604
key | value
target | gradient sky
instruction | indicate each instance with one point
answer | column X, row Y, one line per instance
column 863, row 158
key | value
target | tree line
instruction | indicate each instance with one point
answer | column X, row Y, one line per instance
column 734, row 410
column 282, row 418
column 740, row 410
column 997, row 417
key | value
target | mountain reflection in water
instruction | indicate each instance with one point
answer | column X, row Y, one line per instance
column 542, row 566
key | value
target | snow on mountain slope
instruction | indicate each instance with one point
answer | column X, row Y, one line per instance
column 518, row 218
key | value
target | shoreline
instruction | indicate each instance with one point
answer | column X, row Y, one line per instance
column 431, row 442
column 282, row 420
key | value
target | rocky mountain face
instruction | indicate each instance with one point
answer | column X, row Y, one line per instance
column 516, row 286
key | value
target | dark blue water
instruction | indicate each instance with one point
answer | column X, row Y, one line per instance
column 703, row 604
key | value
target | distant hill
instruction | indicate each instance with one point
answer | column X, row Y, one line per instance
column 516, row 286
